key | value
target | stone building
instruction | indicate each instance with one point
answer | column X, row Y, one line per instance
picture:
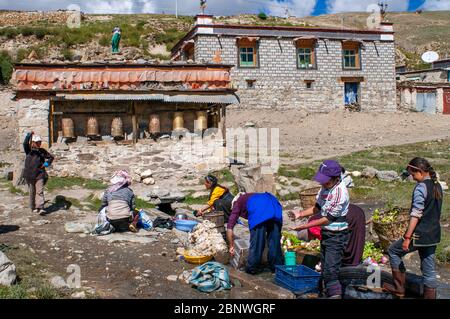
column 100, row 117
column 316, row 69
column 425, row 90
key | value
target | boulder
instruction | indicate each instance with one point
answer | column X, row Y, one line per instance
column 387, row 176
column 369, row 172
column 74, row 227
column 149, row 181
column 7, row 271
column 146, row 174
column 253, row 179
column 58, row 282
column 356, row 174
column 283, row 179
column 444, row 185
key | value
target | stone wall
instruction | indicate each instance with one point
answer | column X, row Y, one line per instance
column 280, row 84
column 166, row 159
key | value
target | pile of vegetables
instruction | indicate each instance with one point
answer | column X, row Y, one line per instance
column 373, row 255
column 387, row 216
column 290, row 242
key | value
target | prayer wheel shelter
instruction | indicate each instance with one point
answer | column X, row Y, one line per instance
column 121, row 100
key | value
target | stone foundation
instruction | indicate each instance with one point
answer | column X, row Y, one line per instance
column 165, row 159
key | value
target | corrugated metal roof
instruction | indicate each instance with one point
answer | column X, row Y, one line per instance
column 227, row 98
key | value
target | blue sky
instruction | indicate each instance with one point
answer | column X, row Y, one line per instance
column 225, row 7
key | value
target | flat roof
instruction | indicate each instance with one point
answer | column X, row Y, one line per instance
column 172, row 64
column 277, row 28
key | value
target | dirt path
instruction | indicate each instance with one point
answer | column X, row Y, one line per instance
column 306, row 137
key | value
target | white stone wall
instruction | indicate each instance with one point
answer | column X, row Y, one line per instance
column 165, row 158
column 279, row 84
column 33, row 115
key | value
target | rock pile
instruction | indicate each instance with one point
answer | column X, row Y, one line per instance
column 15, row 18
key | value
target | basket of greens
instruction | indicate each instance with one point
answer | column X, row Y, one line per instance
column 390, row 224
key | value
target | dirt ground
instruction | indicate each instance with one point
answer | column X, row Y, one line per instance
column 305, row 137
column 131, row 270
column 108, row 270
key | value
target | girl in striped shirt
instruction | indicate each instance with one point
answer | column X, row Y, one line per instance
column 332, row 203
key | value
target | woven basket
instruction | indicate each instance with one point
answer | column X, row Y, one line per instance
column 308, row 197
column 388, row 233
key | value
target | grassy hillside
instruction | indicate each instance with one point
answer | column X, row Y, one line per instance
column 151, row 36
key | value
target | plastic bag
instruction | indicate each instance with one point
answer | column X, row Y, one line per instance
column 103, row 227
column 144, row 221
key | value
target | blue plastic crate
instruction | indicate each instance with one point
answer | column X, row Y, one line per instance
column 299, row 279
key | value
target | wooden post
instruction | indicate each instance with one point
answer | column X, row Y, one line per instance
column 134, row 121
column 52, row 110
column 224, row 125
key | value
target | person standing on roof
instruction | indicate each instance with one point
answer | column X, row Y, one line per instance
column 115, row 41
column 36, row 160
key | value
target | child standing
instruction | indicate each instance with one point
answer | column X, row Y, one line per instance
column 332, row 203
column 424, row 230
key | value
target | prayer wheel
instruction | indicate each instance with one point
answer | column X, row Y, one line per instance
column 117, row 127
column 178, row 121
column 68, row 128
column 154, row 125
column 92, row 127
column 202, row 121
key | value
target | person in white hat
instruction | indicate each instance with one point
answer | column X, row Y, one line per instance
column 37, row 159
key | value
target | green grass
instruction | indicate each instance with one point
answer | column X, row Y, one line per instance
column 441, row 255
column 195, row 201
column 94, row 203
column 11, row 188
column 160, row 57
column 143, row 204
column 55, row 183
column 169, row 37
column 302, row 172
column 31, row 284
column 6, row 68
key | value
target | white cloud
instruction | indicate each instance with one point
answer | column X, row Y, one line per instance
column 187, row 7
column 335, row 6
column 298, row 8
column 436, row 5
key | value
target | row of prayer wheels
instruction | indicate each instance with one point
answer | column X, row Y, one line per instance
column 92, row 127
column 68, row 128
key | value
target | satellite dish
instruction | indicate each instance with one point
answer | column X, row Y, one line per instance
column 430, row 56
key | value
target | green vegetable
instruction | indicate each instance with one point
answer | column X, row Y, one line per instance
column 373, row 252
column 385, row 217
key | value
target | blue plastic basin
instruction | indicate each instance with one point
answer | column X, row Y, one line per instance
column 185, row 225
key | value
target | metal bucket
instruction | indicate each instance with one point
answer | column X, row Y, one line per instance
column 154, row 125
column 178, row 121
column 68, row 128
column 202, row 121
column 218, row 218
column 92, row 127
column 117, row 127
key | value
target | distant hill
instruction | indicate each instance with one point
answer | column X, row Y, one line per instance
column 150, row 36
